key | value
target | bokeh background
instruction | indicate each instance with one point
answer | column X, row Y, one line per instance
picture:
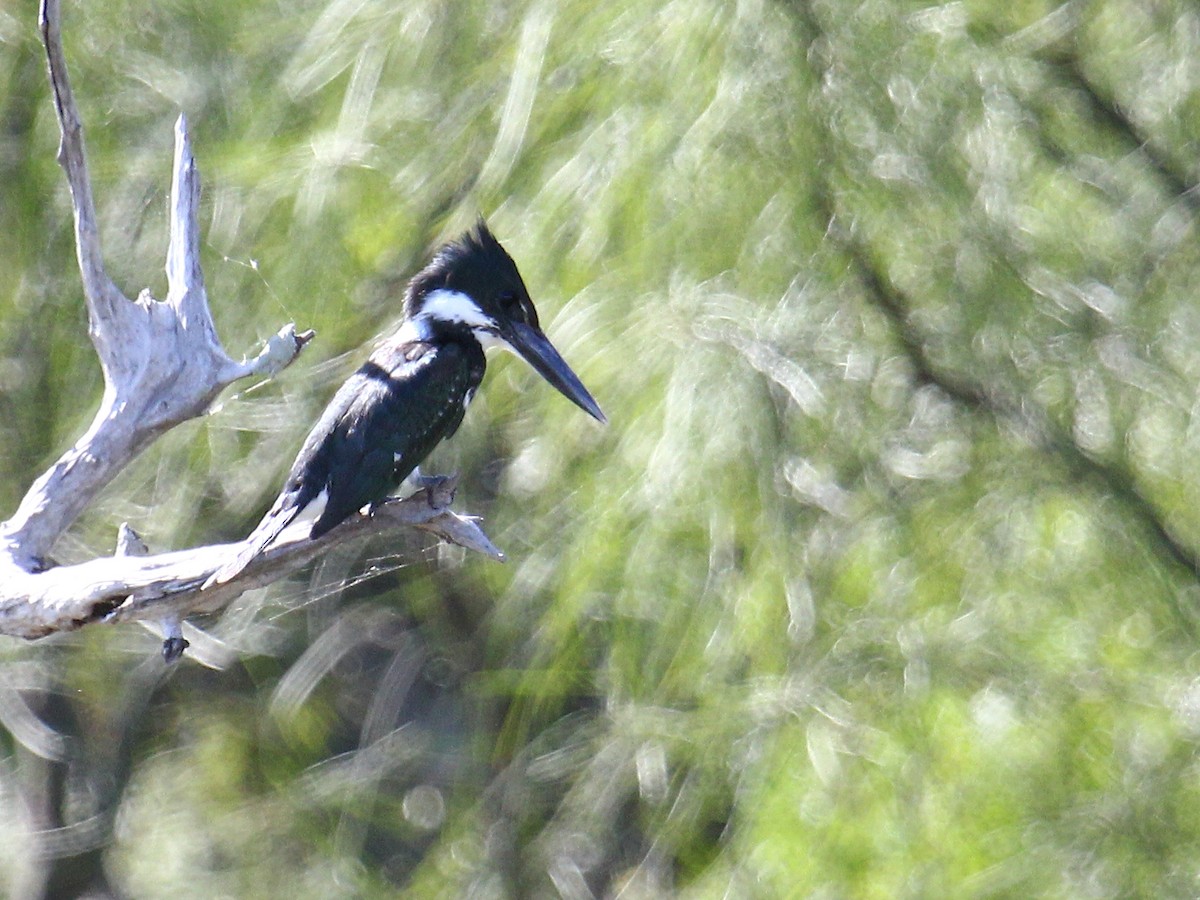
column 882, row 582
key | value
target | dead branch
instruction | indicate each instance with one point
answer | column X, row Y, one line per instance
column 163, row 364
column 124, row 588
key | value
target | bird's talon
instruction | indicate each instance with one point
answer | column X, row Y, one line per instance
column 439, row 489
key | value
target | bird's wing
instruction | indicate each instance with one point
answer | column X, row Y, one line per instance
column 378, row 427
column 405, row 400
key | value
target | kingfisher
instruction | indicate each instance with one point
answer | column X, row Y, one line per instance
column 413, row 390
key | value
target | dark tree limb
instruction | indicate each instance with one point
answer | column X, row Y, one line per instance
column 992, row 398
column 1069, row 68
column 1030, row 419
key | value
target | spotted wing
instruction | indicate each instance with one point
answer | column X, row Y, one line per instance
column 384, row 421
column 378, row 427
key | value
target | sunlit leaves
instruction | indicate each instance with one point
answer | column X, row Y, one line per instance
column 857, row 595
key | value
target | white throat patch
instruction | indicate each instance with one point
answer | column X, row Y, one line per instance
column 455, row 306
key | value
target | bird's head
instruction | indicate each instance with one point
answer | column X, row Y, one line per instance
column 473, row 282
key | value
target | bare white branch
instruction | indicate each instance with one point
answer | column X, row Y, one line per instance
column 185, row 280
column 163, row 364
column 101, row 294
column 133, row 588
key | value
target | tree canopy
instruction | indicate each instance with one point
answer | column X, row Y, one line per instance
column 882, row 580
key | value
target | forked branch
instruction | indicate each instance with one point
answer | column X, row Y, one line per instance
column 163, row 364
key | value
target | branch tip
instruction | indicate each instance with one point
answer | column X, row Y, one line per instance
column 280, row 350
column 129, row 542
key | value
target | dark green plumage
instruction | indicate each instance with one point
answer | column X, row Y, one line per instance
column 383, row 421
column 413, row 390
column 475, row 265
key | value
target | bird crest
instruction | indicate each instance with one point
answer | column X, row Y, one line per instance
column 475, row 264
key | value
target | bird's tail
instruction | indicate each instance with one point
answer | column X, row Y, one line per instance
column 271, row 526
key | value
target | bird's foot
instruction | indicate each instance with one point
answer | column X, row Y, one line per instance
column 173, row 641
column 439, row 489
column 173, row 648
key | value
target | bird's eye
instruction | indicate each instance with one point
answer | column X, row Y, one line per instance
column 508, row 301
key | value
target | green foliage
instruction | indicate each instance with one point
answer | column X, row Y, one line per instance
column 882, row 580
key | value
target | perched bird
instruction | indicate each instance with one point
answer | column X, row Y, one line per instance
column 413, row 390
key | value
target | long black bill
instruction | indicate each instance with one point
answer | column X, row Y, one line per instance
column 535, row 348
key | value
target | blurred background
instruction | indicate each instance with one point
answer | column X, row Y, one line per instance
column 881, row 582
